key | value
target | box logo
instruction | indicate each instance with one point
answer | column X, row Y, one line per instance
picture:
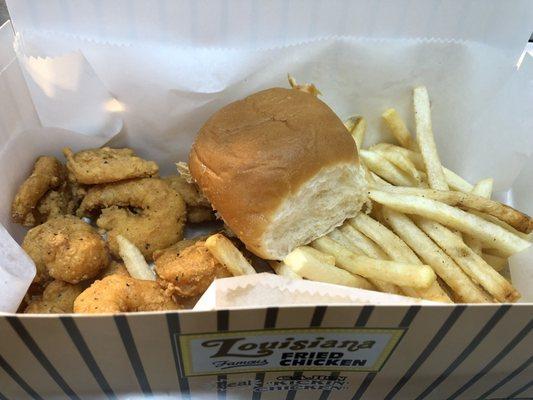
column 323, row 349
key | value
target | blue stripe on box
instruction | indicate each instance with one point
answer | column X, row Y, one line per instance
column 476, row 341
column 40, row 356
column 506, row 350
column 515, row 394
column 174, row 328
column 18, row 379
column 133, row 355
column 270, row 322
column 86, row 355
column 404, row 323
column 441, row 334
column 516, row 372
column 222, row 325
column 3, row 397
column 316, row 320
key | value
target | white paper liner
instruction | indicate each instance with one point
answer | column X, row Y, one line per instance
column 266, row 290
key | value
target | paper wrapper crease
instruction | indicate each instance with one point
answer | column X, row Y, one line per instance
column 150, row 84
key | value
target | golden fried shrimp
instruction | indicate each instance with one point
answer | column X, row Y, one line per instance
column 189, row 272
column 198, row 207
column 115, row 268
column 67, row 249
column 58, row 297
column 105, row 165
column 48, row 173
column 190, row 192
column 196, row 215
column 179, row 246
column 146, row 211
column 118, row 293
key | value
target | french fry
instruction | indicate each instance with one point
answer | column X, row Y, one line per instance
column 343, row 240
column 362, row 242
column 306, row 87
column 484, row 189
column 379, row 180
column 515, row 218
column 397, row 250
column 496, row 262
column 340, row 238
column 413, row 156
column 403, row 274
column 492, row 235
column 303, row 263
column 472, row 264
column 357, row 127
column 282, row 269
column 228, row 255
column 433, row 256
column 325, row 258
column 134, row 260
column 398, row 129
column 402, row 162
column 385, row 169
column 474, row 243
column 426, row 141
column 389, row 242
column 504, row 225
column 454, row 181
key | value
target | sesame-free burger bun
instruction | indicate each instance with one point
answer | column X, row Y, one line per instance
column 280, row 168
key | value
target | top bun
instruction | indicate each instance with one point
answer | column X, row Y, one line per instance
column 280, row 168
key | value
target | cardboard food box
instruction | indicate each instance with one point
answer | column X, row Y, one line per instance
column 147, row 74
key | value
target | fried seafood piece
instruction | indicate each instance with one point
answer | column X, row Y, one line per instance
column 48, row 173
column 188, row 272
column 196, row 215
column 198, row 207
column 115, row 268
column 106, row 165
column 67, row 249
column 190, row 192
column 118, row 293
column 146, row 211
column 58, row 297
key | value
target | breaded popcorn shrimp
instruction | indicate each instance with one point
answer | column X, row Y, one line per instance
column 105, row 165
column 48, row 173
column 147, row 212
column 119, row 293
column 58, row 297
column 67, row 249
column 188, row 272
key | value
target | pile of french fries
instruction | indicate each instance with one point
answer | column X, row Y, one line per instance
column 429, row 233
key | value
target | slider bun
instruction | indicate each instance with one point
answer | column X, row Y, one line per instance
column 280, row 168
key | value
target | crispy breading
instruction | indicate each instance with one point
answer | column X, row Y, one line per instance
column 115, row 268
column 190, row 271
column 48, row 173
column 106, row 165
column 190, row 192
column 118, row 293
column 58, row 297
column 67, row 249
column 145, row 211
